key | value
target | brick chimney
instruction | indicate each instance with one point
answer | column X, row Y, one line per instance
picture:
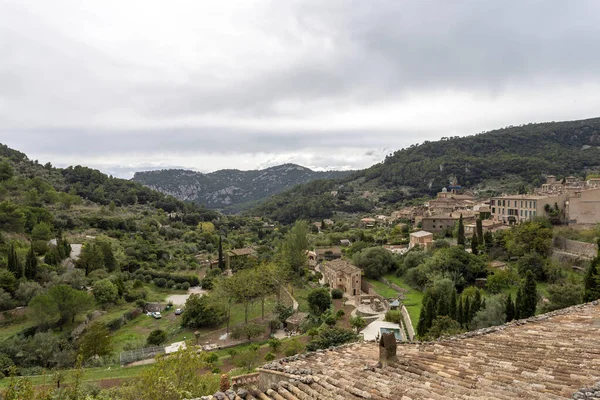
column 387, row 349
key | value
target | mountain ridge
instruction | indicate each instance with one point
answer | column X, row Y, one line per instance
column 230, row 190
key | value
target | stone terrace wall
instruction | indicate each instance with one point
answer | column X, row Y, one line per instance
column 576, row 247
column 408, row 323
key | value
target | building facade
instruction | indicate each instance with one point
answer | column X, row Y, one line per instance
column 519, row 208
column 340, row 274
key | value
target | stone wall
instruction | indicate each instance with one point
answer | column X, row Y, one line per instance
column 583, row 249
column 408, row 323
column 245, row 380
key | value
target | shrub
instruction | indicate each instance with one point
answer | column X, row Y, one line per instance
column 333, row 336
column 269, row 356
column 156, row 337
column 340, row 314
column 293, row 347
column 160, row 282
column 393, row 316
column 248, row 331
column 185, row 285
column 337, row 294
column 275, row 344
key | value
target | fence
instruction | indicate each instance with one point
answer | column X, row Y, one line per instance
column 127, row 357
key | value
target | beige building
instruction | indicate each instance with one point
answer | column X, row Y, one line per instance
column 328, row 253
column 584, row 207
column 340, row 274
column 518, row 208
column 421, row 238
column 441, row 222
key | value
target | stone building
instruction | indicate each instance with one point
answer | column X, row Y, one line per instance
column 423, row 239
column 340, row 274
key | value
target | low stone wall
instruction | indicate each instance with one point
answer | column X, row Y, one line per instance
column 408, row 323
column 583, row 249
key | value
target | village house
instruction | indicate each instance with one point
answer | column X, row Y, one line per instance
column 368, row 222
column 328, row 253
column 522, row 207
column 340, row 274
column 583, row 207
column 421, row 238
column 441, row 222
column 486, row 225
column 237, row 258
column 396, row 248
column 345, row 242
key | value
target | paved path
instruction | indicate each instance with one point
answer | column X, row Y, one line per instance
column 180, row 299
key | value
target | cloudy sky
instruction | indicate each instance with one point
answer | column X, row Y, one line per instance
column 329, row 84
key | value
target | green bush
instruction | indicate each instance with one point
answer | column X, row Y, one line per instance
column 156, row 337
column 293, row 347
column 269, row 356
column 337, row 294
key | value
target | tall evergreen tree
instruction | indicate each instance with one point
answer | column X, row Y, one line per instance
column 529, row 299
column 460, row 237
column 452, row 309
column 221, row 261
column 509, row 309
column 31, row 264
column 443, row 308
column 591, row 281
column 422, row 324
column 466, row 312
column 474, row 244
column 518, row 304
column 479, row 225
column 476, row 305
column 14, row 263
column 488, row 239
column 459, row 311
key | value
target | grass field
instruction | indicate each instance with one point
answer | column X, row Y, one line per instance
column 413, row 298
column 383, row 289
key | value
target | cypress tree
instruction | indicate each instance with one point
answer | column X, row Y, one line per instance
column 459, row 312
column 460, row 237
column 452, row 309
column 488, row 239
column 31, row 264
column 14, row 263
column 529, row 300
column 443, row 308
column 518, row 304
column 466, row 312
column 221, row 262
column 591, row 282
column 431, row 313
column 479, row 224
column 474, row 244
column 422, row 327
column 476, row 306
column 509, row 309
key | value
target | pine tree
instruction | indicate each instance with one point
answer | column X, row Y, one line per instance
column 591, row 281
column 452, row 309
column 479, row 224
column 31, row 264
column 221, row 262
column 460, row 237
column 14, row 263
column 459, row 312
column 529, row 300
column 509, row 309
column 474, row 244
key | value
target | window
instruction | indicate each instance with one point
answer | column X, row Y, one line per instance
column 433, row 226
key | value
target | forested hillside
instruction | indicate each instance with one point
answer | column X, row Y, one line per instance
column 230, row 190
column 524, row 153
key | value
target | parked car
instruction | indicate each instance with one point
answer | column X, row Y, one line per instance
column 178, row 311
column 157, row 315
